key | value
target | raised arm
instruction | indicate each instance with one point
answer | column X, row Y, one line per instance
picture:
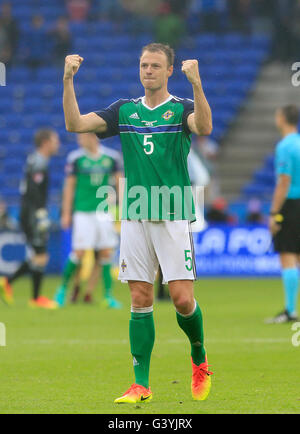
column 74, row 120
column 199, row 122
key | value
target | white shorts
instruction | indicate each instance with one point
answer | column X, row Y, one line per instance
column 93, row 230
column 145, row 245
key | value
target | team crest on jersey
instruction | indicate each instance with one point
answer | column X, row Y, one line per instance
column 168, row 115
column 106, row 162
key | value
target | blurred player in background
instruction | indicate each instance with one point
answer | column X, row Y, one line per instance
column 155, row 131
column 89, row 272
column 34, row 218
column 285, row 210
column 88, row 169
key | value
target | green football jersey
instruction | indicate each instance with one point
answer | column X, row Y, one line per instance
column 91, row 173
column 155, row 144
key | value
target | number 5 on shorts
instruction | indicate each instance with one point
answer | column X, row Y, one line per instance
column 188, row 258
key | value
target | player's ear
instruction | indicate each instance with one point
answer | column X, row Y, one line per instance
column 170, row 70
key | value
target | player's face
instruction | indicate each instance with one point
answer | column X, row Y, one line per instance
column 279, row 119
column 54, row 144
column 88, row 141
column 154, row 70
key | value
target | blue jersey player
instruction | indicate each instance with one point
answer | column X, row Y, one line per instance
column 285, row 211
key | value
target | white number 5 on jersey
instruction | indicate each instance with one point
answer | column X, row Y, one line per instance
column 149, row 146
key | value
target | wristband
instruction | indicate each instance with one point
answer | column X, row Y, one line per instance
column 278, row 218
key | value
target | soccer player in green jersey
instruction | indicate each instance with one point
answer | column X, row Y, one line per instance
column 88, row 169
column 155, row 132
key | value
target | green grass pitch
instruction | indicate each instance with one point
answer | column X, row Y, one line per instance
column 77, row 360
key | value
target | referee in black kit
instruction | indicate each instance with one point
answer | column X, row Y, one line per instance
column 285, row 211
column 34, row 219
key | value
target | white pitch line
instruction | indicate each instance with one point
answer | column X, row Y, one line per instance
column 169, row 341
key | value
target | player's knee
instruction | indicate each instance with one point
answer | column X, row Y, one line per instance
column 105, row 256
column 184, row 303
column 141, row 295
column 78, row 254
column 140, row 299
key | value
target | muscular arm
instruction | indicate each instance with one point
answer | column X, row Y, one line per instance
column 199, row 122
column 74, row 120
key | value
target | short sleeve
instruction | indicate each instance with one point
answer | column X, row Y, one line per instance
column 36, row 168
column 70, row 167
column 111, row 117
column 116, row 156
column 188, row 105
column 283, row 161
column 119, row 166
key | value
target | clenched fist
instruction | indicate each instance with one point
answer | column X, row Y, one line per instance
column 191, row 69
column 72, row 64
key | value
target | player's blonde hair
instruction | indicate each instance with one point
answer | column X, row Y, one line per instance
column 166, row 49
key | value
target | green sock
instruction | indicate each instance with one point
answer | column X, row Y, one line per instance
column 107, row 279
column 142, row 336
column 69, row 270
column 193, row 328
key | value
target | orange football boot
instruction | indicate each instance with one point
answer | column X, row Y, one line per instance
column 6, row 291
column 201, row 381
column 134, row 394
column 43, row 303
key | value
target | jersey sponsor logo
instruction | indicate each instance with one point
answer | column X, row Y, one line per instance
column 149, row 123
column 168, row 115
column 134, row 116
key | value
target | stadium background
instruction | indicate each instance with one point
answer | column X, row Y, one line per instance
column 245, row 50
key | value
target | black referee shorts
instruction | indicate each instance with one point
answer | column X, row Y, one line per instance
column 287, row 240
